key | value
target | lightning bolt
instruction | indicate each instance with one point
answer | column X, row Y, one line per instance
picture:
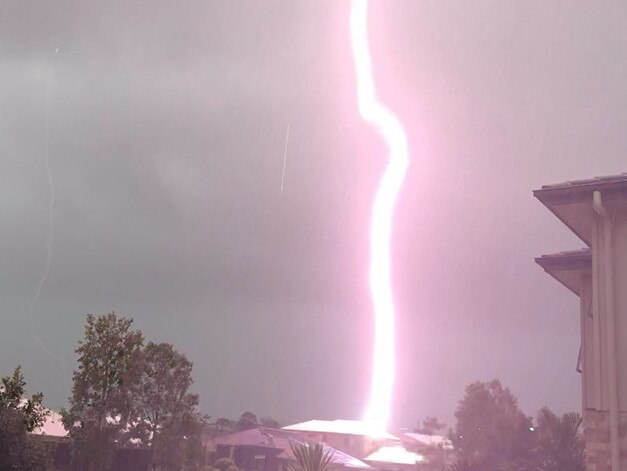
column 389, row 127
column 51, row 202
column 287, row 138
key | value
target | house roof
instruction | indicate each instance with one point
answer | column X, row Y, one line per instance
column 52, row 426
column 346, row 427
column 568, row 267
column 571, row 201
column 395, row 454
column 428, row 440
column 282, row 440
column 587, row 182
column 258, row 437
column 261, row 437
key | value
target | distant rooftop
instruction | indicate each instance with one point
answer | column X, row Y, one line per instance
column 429, row 440
column 395, row 454
column 52, row 426
column 347, row 427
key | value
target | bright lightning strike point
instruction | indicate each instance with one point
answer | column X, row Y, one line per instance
column 389, row 127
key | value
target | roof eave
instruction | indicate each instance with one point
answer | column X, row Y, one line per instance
column 545, row 197
column 580, row 193
column 559, row 266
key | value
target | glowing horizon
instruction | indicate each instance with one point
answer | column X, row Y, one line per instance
column 389, row 127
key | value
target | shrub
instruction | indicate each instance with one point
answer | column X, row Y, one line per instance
column 223, row 464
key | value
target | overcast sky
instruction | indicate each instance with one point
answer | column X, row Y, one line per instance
column 167, row 124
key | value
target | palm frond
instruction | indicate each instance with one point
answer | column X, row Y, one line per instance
column 310, row 457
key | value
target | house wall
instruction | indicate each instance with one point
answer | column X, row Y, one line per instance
column 588, row 368
column 597, row 437
column 595, row 337
column 619, row 257
column 251, row 458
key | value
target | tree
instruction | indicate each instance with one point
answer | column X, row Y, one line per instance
column 436, row 457
column 166, row 412
column 100, row 405
column 491, row 432
column 179, row 445
column 559, row 445
column 12, row 394
column 430, row 426
column 221, row 426
column 223, row 422
column 247, row 421
column 222, row 464
column 310, row 457
column 269, row 422
column 18, row 417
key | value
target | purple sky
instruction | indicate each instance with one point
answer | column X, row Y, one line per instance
column 167, row 126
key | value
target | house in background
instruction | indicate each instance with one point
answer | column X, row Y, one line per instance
column 54, row 438
column 349, row 436
column 422, row 441
column 254, row 449
column 596, row 211
column 395, row 458
column 267, row 449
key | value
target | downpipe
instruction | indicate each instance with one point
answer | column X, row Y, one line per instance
column 599, row 209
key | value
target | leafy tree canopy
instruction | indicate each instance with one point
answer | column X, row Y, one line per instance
column 430, row 426
column 12, row 396
column 247, row 421
column 269, row 422
column 166, row 412
column 491, row 431
column 160, row 388
column 18, row 417
column 100, row 405
column 223, row 464
column 559, row 443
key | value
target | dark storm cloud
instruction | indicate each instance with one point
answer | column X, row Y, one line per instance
column 167, row 125
column 165, row 145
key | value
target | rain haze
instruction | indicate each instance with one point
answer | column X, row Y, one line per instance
column 163, row 125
